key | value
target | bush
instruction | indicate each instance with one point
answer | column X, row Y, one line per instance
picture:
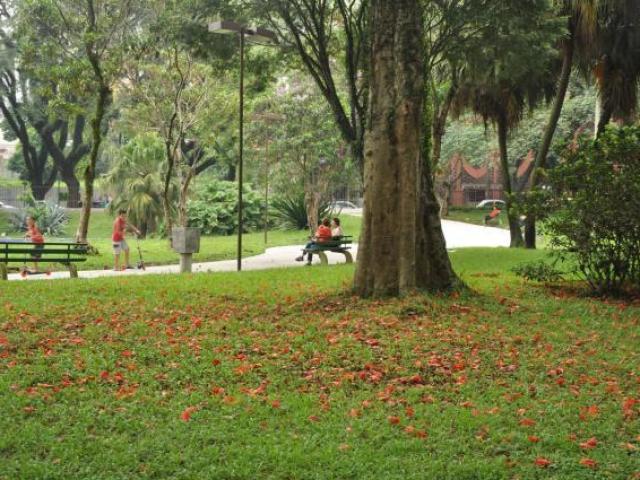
column 214, row 209
column 50, row 218
column 595, row 208
column 291, row 212
column 539, row 271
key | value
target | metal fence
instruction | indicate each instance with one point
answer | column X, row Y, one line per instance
column 14, row 196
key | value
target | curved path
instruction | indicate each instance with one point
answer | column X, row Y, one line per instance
column 457, row 234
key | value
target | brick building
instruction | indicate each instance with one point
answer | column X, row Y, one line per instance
column 469, row 184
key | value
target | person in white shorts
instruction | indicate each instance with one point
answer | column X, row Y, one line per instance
column 120, row 227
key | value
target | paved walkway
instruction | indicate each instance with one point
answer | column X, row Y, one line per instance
column 457, row 234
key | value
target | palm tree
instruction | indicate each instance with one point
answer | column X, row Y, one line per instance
column 136, row 180
column 602, row 37
column 510, row 73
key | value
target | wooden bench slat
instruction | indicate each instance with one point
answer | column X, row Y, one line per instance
column 63, row 260
column 42, row 251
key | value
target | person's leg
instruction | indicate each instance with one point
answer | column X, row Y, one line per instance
column 304, row 251
column 126, row 256
column 116, row 256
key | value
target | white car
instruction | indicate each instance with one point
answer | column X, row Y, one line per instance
column 340, row 204
column 501, row 204
column 4, row 206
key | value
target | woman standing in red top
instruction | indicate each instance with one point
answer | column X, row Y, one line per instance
column 36, row 237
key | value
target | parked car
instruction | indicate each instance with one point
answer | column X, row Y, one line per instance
column 4, row 206
column 341, row 204
column 501, row 204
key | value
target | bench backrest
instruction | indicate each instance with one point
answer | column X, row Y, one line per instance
column 14, row 251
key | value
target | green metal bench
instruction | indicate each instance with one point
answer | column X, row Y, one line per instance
column 337, row 245
column 20, row 251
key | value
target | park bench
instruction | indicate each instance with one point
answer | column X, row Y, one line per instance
column 21, row 252
column 336, row 245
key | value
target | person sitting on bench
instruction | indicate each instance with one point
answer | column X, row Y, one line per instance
column 493, row 215
column 36, row 237
column 336, row 229
column 322, row 235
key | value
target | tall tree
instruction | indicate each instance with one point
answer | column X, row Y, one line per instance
column 314, row 29
column 603, row 42
column 18, row 105
column 89, row 39
column 401, row 247
column 511, row 74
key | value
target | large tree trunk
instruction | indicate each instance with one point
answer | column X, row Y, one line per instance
column 401, row 245
column 514, row 223
column 543, row 151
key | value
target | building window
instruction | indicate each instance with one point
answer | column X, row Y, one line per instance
column 473, row 195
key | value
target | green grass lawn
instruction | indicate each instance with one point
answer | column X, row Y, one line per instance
column 284, row 375
column 156, row 251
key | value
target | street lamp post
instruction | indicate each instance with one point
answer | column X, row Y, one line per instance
column 263, row 36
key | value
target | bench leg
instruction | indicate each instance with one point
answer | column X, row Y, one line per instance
column 73, row 271
column 348, row 257
column 323, row 258
column 4, row 272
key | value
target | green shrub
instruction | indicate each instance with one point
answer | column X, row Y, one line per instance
column 290, row 212
column 595, row 210
column 214, row 208
column 50, row 218
column 539, row 271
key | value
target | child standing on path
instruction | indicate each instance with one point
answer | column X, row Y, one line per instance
column 36, row 237
column 120, row 227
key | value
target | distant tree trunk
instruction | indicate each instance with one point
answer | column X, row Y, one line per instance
column 514, row 223
column 166, row 192
column 103, row 101
column 401, row 246
column 604, row 117
column 73, row 188
column 543, row 151
column 440, row 116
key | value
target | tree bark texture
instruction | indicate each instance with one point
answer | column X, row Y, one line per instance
column 543, row 151
column 66, row 162
column 103, row 101
column 514, row 223
column 401, row 247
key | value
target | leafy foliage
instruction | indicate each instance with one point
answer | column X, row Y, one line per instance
column 215, row 208
column 50, row 218
column 538, row 271
column 136, row 182
column 291, row 213
column 595, row 204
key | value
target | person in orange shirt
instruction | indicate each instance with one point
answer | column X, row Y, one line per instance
column 36, row 237
column 493, row 215
column 322, row 235
column 120, row 227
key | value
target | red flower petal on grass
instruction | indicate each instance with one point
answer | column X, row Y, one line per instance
column 527, row 422
column 185, row 416
column 588, row 462
column 591, row 443
column 533, row 438
column 542, row 462
column 393, row 420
